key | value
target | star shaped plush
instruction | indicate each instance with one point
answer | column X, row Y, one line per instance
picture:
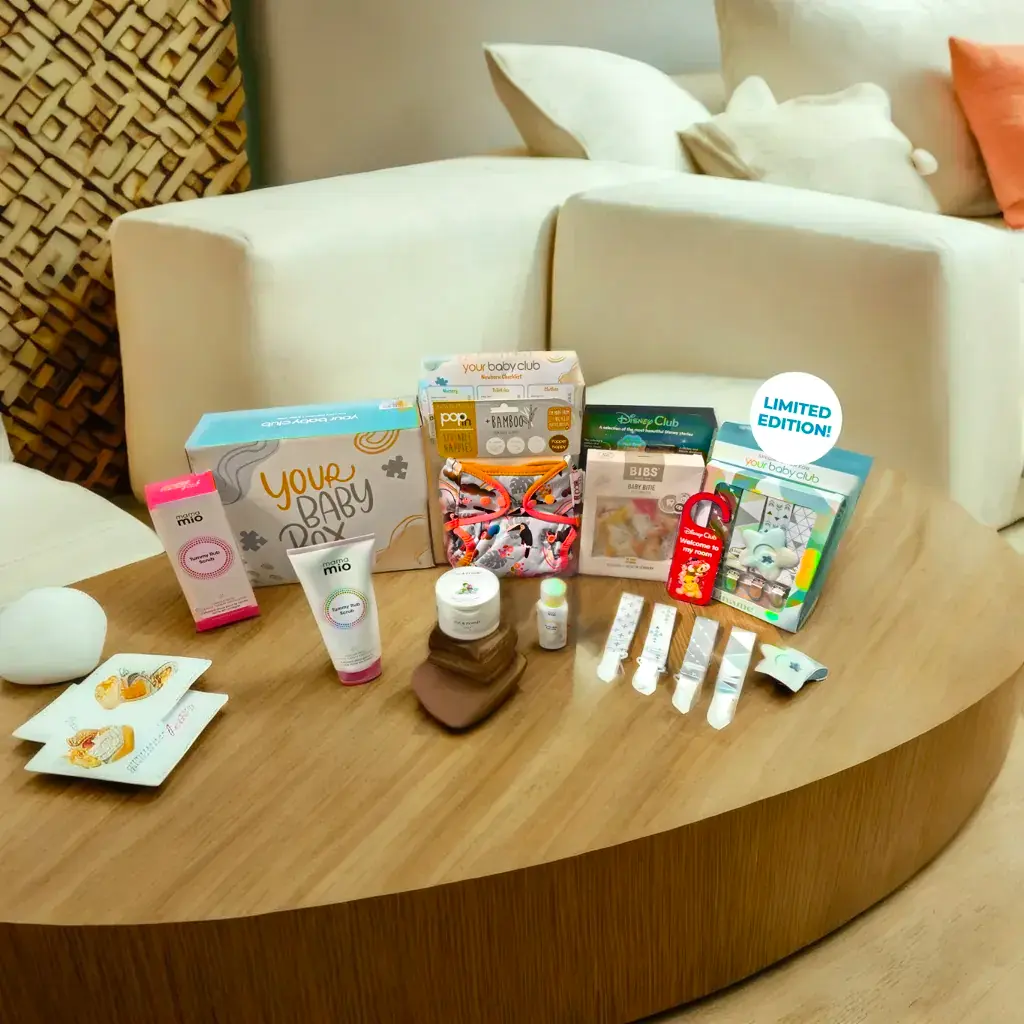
column 789, row 667
column 766, row 552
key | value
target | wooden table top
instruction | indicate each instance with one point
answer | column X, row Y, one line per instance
column 304, row 792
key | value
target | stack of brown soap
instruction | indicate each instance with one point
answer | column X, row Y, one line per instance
column 463, row 681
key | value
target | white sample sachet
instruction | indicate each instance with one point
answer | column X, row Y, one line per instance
column 731, row 674
column 115, row 752
column 128, row 689
column 620, row 637
column 651, row 662
column 690, row 677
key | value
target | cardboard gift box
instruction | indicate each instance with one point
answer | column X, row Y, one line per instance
column 631, row 505
column 651, row 428
column 292, row 477
column 786, row 524
column 497, row 406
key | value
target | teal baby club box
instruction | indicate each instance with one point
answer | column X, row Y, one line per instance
column 786, row 524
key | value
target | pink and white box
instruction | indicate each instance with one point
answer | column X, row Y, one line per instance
column 190, row 521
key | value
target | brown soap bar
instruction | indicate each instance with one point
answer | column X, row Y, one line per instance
column 458, row 703
column 481, row 661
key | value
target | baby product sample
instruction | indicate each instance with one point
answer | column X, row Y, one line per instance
column 129, row 690
column 552, row 615
column 142, row 755
column 651, row 663
column 189, row 519
column 620, row 637
column 338, row 583
column 789, row 667
column 465, row 680
column 732, row 671
column 690, row 677
column 514, row 518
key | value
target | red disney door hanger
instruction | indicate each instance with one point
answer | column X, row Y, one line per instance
column 697, row 554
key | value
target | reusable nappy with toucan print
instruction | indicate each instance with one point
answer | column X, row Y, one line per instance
column 514, row 518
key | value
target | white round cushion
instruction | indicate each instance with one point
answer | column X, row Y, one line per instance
column 50, row 635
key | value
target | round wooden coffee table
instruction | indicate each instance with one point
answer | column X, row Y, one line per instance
column 330, row 854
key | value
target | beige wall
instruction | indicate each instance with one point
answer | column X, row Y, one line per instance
column 350, row 85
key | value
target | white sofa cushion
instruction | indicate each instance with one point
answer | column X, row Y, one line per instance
column 844, row 143
column 568, row 101
column 53, row 533
column 5, row 446
column 708, row 87
column 913, row 318
column 332, row 289
column 803, row 47
column 1016, row 238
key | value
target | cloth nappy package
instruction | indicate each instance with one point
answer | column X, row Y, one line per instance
column 517, row 519
column 515, row 416
column 294, row 477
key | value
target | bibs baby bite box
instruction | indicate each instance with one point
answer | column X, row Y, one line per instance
column 631, row 506
column 293, row 477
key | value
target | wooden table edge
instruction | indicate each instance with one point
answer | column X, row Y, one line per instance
column 609, row 934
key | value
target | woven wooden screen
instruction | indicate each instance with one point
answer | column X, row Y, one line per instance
column 105, row 106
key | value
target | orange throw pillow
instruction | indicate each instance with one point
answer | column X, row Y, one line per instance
column 989, row 83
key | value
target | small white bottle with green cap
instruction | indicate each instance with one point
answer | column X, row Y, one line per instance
column 552, row 615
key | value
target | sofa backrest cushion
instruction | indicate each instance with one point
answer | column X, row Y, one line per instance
column 571, row 101
column 5, row 447
column 806, row 47
column 706, row 86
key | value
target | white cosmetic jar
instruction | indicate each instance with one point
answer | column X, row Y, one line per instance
column 468, row 603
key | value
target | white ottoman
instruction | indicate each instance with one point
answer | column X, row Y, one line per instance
column 53, row 533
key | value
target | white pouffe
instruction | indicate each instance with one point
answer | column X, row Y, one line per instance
column 53, row 533
column 730, row 397
column 51, row 635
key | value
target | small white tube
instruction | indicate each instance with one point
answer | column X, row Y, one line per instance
column 338, row 583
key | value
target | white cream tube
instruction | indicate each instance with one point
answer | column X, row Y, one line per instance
column 338, row 582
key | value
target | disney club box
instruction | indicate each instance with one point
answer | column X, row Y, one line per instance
column 652, row 428
column 497, row 406
column 303, row 475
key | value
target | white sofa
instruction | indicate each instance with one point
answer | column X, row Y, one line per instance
column 53, row 533
column 334, row 289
